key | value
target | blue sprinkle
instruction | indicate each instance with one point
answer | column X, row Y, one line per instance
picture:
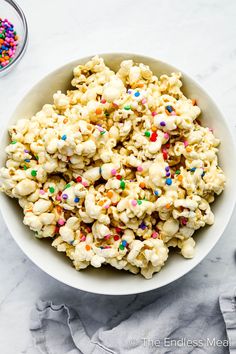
column 124, row 243
column 203, row 174
column 100, row 170
column 156, row 193
column 76, row 200
column 137, row 94
column 169, row 109
column 193, row 169
column 27, row 160
column 169, row 181
column 63, row 137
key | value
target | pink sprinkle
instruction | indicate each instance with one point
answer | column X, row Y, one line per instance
column 154, row 114
column 173, row 113
column 166, row 136
column 113, row 172
column 85, row 184
column 139, row 169
column 185, row 143
column 100, row 128
column 58, row 197
column 107, row 237
column 154, row 234
column 83, row 238
column 107, row 206
column 103, row 100
column 144, row 100
column 61, row 222
column 41, row 191
column 134, row 203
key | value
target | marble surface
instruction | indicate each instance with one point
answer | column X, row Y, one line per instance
column 196, row 35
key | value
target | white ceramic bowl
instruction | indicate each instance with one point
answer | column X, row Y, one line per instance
column 106, row 280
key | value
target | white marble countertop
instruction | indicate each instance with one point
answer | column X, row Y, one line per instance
column 198, row 36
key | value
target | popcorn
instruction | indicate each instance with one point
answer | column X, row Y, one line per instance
column 116, row 170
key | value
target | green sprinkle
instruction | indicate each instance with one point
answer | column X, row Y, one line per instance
column 51, row 189
column 34, row 173
column 36, row 157
column 139, row 202
column 103, row 132
column 68, row 185
column 177, row 172
column 14, row 142
column 121, row 247
column 122, row 185
column 127, row 107
column 25, row 167
column 147, row 134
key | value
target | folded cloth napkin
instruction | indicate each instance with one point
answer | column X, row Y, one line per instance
column 186, row 324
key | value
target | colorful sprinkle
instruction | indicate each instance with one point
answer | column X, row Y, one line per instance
column 118, row 230
column 127, row 107
column 116, row 237
column 188, row 149
column 8, row 42
column 168, row 206
column 41, row 191
column 147, row 134
column 169, row 109
column 64, row 137
column 185, row 143
column 134, row 202
column 103, row 132
column 33, row 173
column 180, row 178
column 13, row 142
column 119, row 177
column 167, row 168
column 193, row 169
column 122, row 185
column 113, row 172
column 177, row 172
column 85, row 184
column 76, row 200
column 25, row 167
column 162, row 124
column 65, row 196
column 154, row 129
column 142, row 185
column 154, row 234
column 154, row 114
column 166, row 136
column 143, row 226
column 169, row 181
column 103, row 101
column 88, row 248
column 156, row 193
column 139, row 202
column 61, row 222
column 144, row 100
column 78, row 179
column 165, row 154
column 51, row 189
column 139, row 169
column 26, row 151
column 167, row 174
column 58, row 198
column 83, row 238
column 137, row 94
column 110, row 194
column 203, row 174
column 124, row 243
column 121, row 247
column 68, row 185
column 27, row 160
column 98, row 111
column 153, row 137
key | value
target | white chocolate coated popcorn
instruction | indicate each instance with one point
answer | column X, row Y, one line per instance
column 116, row 170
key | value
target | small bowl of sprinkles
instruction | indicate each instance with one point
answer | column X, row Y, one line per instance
column 13, row 35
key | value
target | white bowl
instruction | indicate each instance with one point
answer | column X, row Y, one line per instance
column 107, row 280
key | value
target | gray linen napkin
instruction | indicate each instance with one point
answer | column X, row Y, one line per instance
column 171, row 324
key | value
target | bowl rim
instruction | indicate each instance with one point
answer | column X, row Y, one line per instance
column 200, row 258
column 18, row 57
